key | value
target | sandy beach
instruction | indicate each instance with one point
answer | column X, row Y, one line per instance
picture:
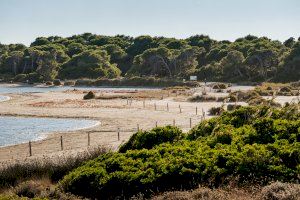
column 144, row 110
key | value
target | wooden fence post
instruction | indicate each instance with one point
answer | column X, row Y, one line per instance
column 61, row 143
column 138, row 127
column 118, row 134
column 190, row 122
column 154, row 106
column 173, row 122
column 143, row 103
column 196, row 110
column 168, row 107
column 30, row 150
column 156, row 124
column 89, row 139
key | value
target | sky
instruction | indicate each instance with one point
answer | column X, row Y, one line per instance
column 21, row 21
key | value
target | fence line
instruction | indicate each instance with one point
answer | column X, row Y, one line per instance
column 84, row 141
column 67, row 142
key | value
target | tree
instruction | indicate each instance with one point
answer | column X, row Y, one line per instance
column 14, row 59
column 47, row 66
column 155, row 62
column 40, row 41
column 186, row 62
column 201, row 41
column 260, row 64
column 289, row 69
column 89, row 64
column 140, row 44
column 289, row 42
column 163, row 62
column 118, row 56
column 75, row 48
column 232, row 65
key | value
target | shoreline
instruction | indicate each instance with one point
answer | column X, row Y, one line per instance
column 111, row 113
column 46, row 135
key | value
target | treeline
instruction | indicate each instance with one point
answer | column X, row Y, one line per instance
column 93, row 56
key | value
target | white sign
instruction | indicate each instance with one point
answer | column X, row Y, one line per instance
column 193, row 78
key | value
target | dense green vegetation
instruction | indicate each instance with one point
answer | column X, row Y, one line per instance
column 96, row 56
column 249, row 144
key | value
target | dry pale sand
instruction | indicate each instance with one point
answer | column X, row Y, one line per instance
column 112, row 113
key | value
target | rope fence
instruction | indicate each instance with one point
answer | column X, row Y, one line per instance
column 73, row 141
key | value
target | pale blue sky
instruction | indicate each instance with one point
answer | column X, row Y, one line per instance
column 21, row 21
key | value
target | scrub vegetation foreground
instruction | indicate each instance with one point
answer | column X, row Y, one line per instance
column 249, row 146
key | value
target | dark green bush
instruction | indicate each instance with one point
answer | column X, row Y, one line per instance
column 250, row 144
column 223, row 134
column 49, row 83
column 89, row 95
column 216, row 110
column 57, row 82
column 231, row 107
column 285, row 89
column 220, row 86
column 20, row 78
column 149, row 139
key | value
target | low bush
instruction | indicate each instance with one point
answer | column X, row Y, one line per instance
column 231, row 107
column 20, row 78
column 89, row 95
column 220, row 86
column 49, row 83
column 136, row 82
column 285, row 89
column 202, row 98
column 34, row 78
column 83, row 82
column 69, row 83
column 149, row 139
column 216, row 110
column 57, row 82
column 251, row 144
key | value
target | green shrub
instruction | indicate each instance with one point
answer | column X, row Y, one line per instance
column 57, row 82
column 203, row 129
column 285, row 89
column 49, row 83
column 20, row 78
column 34, row 77
column 83, row 82
column 231, row 107
column 89, row 95
column 69, row 83
column 149, row 139
column 250, row 144
column 220, row 86
column 223, row 134
column 216, row 110
column 202, row 98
